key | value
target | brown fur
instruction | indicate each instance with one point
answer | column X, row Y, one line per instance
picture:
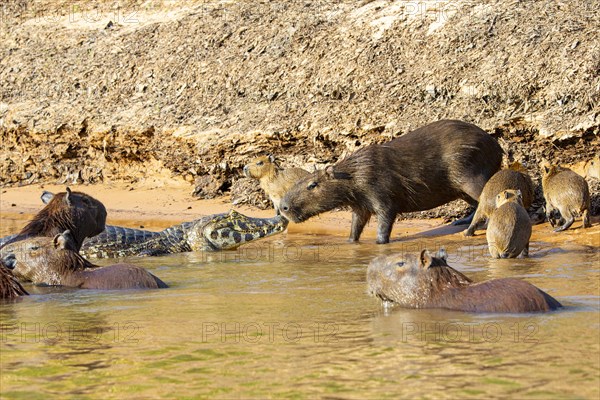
column 502, row 180
column 274, row 180
column 10, row 288
column 567, row 193
column 55, row 261
column 77, row 212
column 423, row 169
column 509, row 227
column 429, row 282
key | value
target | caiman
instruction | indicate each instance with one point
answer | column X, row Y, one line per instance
column 211, row 233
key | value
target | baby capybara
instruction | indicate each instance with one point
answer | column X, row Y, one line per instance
column 425, row 281
column 567, row 193
column 56, row 262
column 77, row 212
column 502, row 180
column 423, row 169
column 509, row 227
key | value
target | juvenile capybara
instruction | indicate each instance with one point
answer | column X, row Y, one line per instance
column 10, row 288
column 502, row 180
column 425, row 281
column 275, row 181
column 423, row 169
column 77, row 212
column 567, row 193
column 55, row 261
column 509, row 227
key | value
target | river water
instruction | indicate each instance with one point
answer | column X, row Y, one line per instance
column 289, row 317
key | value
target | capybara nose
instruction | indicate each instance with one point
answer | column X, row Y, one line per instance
column 10, row 261
column 285, row 207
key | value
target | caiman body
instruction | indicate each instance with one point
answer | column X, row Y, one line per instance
column 210, row 233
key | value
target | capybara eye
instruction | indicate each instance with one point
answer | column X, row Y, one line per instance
column 34, row 247
column 400, row 264
column 259, row 163
column 312, row 185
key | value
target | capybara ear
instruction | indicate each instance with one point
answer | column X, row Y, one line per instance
column 64, row 241
column 330, row 172
column 58, row 241
column 442, row 254
column 425, row 259
column 46, row 197
column 271, row 157
column 67, row 199
column 519, row 194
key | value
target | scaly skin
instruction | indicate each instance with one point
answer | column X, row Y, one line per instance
column 210, row 233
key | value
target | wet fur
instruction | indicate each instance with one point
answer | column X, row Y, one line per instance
column 78, row 212
column 429, row 282
column 423, row 169
column 509, row 227
column 10, row 288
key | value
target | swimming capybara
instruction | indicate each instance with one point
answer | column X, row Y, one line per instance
column 55, row 261
column 502, row 180
column 274, row 180
column 567, row 193
column 10, row 288
column 509, row 227
column 425, row 281
column 423, row 169
column 77, row 212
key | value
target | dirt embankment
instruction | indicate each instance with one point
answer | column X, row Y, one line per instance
column 102, row 91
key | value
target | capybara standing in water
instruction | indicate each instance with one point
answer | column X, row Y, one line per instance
column 509, row 227
column 274, row 180
column 502, row 180
column 423, row 169
column 56, row 262
column 77, row 212
column 10, row 288
column 567, row 193
column 425, row 281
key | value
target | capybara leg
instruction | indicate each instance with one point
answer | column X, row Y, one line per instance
column 525, row 252
column 466, row 220
column 493, row 250
column 384, row 227
column 359, row 220
column 586, row 219
column 566, row 225
column 477, row 219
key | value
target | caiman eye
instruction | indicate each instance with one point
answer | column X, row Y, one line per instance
column 312, row 185
column 260, row 163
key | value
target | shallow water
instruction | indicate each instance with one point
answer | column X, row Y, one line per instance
column 289, row 317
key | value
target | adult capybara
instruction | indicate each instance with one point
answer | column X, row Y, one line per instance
column 423, row 169
column 55, row 261
column 274, row 180
column 502, row 180
column 567, row 193
column 10, row 288
column 509, row 227
column 425, row 281
column 77, row 212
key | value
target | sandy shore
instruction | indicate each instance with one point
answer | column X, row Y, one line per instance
column 158, row 204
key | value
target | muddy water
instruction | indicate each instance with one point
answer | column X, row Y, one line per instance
column 289, row 317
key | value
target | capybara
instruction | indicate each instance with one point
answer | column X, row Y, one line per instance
column 509, row 227
column 55, row 261
column 423, row 169
column 502, row 180
column 425, row 281
column 567, row 193
column 10, row 288
column 274, row 180
column 77, row 212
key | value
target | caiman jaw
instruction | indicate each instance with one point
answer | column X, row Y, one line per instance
column 234, row 229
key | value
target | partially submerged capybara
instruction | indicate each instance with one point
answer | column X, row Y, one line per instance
column 423, row 169
column 502, row 180
column 567, row 193
column 509, row 227
column 425, row 281
column 274, row 180
column 10, row 288
column 77, row 212
column 55, row 261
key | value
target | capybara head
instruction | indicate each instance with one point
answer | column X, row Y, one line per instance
column 321, row 191
column 412, row 281
column 260, row 167
column 509, row 195
column 42, row 259
column 78, row 212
